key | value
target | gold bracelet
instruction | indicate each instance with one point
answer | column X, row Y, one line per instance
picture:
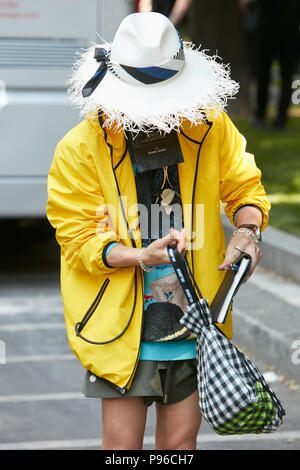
column 141, row 263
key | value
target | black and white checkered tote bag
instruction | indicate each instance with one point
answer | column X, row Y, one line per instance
column 234, row 397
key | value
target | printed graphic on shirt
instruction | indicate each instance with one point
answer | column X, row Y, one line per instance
column 164, row 305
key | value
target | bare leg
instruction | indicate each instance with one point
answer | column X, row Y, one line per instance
column 124, row 421
column 178, row 424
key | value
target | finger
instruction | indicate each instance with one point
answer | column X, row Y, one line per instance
column 232, row 254
column 250, row 274
column 223, row 267
column 228, row 261
column 177, row 234
column 182, row 244
column 169, row 239
column 255, row 261
column 181, row 235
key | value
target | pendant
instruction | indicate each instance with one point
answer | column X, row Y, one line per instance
column 167, row 197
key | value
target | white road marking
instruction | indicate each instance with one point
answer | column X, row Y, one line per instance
column 28, row 304
column 32, row 326
column 33, row 397
column 40, row 358
column 148, row 440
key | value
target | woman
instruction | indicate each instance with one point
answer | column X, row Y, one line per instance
column 155, row 136
column 175, row 10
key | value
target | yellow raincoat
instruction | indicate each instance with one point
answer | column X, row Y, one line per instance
column 92, row 201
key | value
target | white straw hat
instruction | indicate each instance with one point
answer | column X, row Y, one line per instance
column 148, row 77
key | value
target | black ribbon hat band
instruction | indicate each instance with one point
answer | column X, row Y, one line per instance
column 100, row 55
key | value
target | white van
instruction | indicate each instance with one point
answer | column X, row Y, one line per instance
column 38, row 42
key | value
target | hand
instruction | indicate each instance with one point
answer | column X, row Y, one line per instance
column 156, row 253
column 232, row 254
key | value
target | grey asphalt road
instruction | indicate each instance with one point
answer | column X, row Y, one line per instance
column 41, row 404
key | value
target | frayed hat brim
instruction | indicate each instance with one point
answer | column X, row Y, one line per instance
column 203, row 85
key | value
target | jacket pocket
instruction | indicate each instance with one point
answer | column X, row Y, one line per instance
column 80, row 325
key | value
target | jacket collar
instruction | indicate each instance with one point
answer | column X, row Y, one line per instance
column 115, row 136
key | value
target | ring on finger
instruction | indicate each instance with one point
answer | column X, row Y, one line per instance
column 240, row 249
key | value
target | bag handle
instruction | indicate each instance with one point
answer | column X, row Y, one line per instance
column 183, row 272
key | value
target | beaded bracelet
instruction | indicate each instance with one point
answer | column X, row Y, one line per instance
column 141, row 263
column 246, row 232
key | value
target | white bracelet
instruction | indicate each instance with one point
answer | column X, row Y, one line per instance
column 140, row 260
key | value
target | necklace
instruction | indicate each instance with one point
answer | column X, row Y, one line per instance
column 166, row 194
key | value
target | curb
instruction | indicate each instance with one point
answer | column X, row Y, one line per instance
column 281, row 254
column 266, row 343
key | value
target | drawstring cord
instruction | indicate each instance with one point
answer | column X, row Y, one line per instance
column 167, row 383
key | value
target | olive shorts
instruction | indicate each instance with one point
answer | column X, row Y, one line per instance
column 164, row 382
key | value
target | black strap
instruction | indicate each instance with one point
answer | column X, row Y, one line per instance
column 183, row 275
column 102, row 57
column 194, row 281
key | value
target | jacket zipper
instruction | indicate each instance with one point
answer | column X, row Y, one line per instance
column 93, row 307
column 209, row 123
column 133, row 243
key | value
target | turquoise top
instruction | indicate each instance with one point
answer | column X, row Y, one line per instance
column 169, row 350
column 164, row 350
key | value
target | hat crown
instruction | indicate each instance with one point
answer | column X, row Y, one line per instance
column 144, row 40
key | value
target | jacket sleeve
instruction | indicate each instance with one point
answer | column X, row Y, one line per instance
column 240, row 179
column 76, row 209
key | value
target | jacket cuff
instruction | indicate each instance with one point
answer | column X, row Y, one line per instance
column 249, row 205
column 105, row 251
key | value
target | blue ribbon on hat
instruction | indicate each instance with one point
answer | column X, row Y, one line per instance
column 149, row 75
